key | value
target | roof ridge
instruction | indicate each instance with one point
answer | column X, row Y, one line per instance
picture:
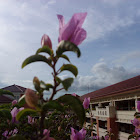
column 8, row 86
column 19, row 88
column 125, row 85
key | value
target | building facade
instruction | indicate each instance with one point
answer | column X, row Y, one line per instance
column 114, row 107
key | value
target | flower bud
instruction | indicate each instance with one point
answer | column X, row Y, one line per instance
column 14, row 102
column 31, row 98
column 36, row 83
column 59, row 128
column 86, row 103
column 45, row 41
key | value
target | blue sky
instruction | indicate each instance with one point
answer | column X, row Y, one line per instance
column 110, row 53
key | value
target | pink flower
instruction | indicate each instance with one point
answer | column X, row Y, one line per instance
column 95, row 138
column 86, row 103
column 14, row 102
column 46, row 134
column 31, row 98
column 14, row 113
column 135, row 122
column 106, row 137
column 137, row 131
column 7, row 134
column 31, row 120
column 45, row 41
column 138, row 105
column 75, row 135
column 72, row 31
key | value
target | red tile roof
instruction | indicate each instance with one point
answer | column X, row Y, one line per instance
column 127, row 85
column 15, row 88
column 4, row 99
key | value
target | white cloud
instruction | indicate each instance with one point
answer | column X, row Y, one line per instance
column 102, row 75
column 131, row 56
column 113, row 2
column 99, row 23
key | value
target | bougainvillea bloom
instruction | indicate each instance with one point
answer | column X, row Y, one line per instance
column 106, row 137
column 46, row 134
column 14, row 102
column 31, row 120
column 7, row 134
column 72, row 31
column 95, row 138
column 14, row 113
column 75, row 135
column 135, row 122
column 137, row 131
column 31, row 98
column 138, row 105
column 86, row 103
column 45, row 41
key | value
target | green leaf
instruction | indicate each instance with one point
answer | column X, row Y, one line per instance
column 131, row 136
column 76, row 106
column 137, row 114
column 5, row 106
column 67, row 83
column 45, row 86
column 25, row 112
column 65, row 57
column 58, row 80
column 45, row 49
column 21, row 101
column 53, row 105
column 64, row 46
column 5, row 113
column 17, row 137
column 69, row 67
column 6, row 92
column 35, row 58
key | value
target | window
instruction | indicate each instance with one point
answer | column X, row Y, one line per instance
column 127, row 128
column 103, row 124
column 125, row 105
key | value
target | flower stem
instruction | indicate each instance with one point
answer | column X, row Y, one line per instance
column 54, row 79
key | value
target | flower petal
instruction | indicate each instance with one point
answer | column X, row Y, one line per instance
column 72, row 31
column 61, row 22
column 14, row 112
column 138, row 105
column 83, row 132
column 80, row 17
column 79, row 36
column 68, row 29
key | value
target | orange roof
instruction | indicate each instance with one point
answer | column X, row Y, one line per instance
column 127, row 85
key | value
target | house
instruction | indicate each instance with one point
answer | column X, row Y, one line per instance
column 5, row 100
column 17, row 90
column 114, row 107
